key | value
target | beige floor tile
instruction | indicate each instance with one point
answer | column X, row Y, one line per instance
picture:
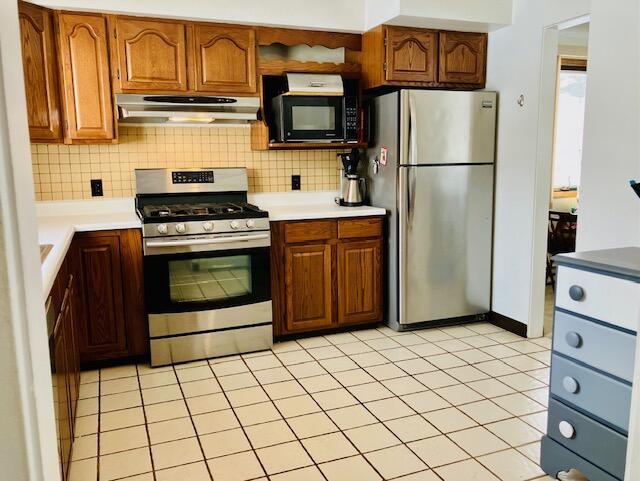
column 453, row 345
column 511, row 465
column 83, row 470
column 90, row 376
column 158, row 379
column 515, row 432
column 436, row 379
column 403, row 385
column 145, row 368
column 263, row 362
column 474, row 356
column 395, row 461
column 338, row 364
column 269, row 434
column 312, row 425
column 306, row 369
column 294, row 357
column 165, row 411
column 200, row 387
column 325, row 352
column 490, row 388
column 409, row 339
column 283, row 457
column 531, row 451
column 370, row 392
column 367, row 334
column 190, row 365
column 478, row 441
column 427, row 475
column 230, row 367
column 526, row 347
column 458, row 394
column 518, row 404
column 117, row 372
column 170, row 430
column 175, row 453
column 541, row 374
column 438, row 451
column 126, row 463
column 215, row 421
column 537, row 420
column 274, row 374
column 310, row 473
column 426, row 349
column 189, row 472
column 353, row 377
column 340, row 338
column 236, row 467
column 86, row 425
column 246, row 396
column 237, row 381
column 324, row 382
column 425, row 401
column 499, row 351
column 208, row 403
column 382, row 343
column 484, row 412
column 540, row 396
column 85, row 447
column 161, row 394
column 286, row 346
column 329, row 447
column 86, row 407
column 224, row 359
column 357, row 347
column 449, row 420
column 336, row 398
column 469, row 469
column 524, row 363
column 416, row 366
column 297, row 406
column 411, row 428
column 123, row 439
column 521, row 382
column 350, row 469
column 459, row 332
column 257, row 413
column 311, row 342
column 351, row 417
column 446, row 361
column 195, row 374
column 495, row 368
column 224, row 442
column 367, row 359
column 88, row 390
column 398, row 354
column 386, row 409
column 483, row 328
column 372, row 437
column 467, row 374
column 121, row 419
column 116, row 386
column 433, row 335
column 504, row 336
column 140, row 477
column 281, row 390
column 114, row 402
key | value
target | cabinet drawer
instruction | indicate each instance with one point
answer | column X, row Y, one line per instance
column 365, row 227
column 592, row 392
column 599, row 346
column 605, row 298
column 555, row 458
column 315, row 230
column 591, row 440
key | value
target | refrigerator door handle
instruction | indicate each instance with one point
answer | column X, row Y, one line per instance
column 413, row 128
column 404, row 227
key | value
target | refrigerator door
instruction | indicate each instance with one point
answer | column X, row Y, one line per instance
column 445, row 225
column 447, row 127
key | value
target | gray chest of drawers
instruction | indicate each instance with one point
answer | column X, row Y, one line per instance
column 592, row 364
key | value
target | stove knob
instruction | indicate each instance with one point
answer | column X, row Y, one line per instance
column 181, row 228
column 251, row 223
column 162, row 228
column 234, row 224
column 207, row 226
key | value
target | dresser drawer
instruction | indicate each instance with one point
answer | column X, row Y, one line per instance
column 602, row 347
column 592, row 392
column 312, row 230
column 609, row 299
column 555, row 458
column 360, row 227
column 593, row 441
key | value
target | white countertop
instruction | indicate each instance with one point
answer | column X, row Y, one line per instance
column 59, row 220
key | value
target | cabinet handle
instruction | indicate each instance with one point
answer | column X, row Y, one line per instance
column 573, row 339
column 570, row 385
column 566, row 429
column 576, row 293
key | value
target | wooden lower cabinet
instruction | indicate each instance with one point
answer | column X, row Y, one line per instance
column 326, row 274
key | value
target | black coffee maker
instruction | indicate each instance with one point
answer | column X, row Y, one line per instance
column 352, row 187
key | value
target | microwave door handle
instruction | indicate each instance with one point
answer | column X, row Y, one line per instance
column 198, row 242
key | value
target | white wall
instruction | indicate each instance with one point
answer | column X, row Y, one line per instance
column 609, row 213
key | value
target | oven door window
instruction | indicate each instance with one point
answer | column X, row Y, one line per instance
column 202, row 281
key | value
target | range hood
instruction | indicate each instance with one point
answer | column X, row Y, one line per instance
column 173, row 110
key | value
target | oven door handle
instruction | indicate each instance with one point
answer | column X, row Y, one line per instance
column 199, row 242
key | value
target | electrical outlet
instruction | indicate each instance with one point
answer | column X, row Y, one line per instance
column 295, row 182
column 96, row 188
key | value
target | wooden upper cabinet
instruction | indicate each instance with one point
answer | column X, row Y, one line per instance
column 85, row 77
column 40, row 73
column 410, row 54
column 462, row 57
column 224, row 58
column 151, row 54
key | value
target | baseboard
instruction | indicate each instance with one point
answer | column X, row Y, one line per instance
column 509, row 324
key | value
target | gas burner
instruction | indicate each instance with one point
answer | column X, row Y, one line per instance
column 200, row 211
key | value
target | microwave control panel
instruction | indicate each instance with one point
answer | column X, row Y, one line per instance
column 351, row 121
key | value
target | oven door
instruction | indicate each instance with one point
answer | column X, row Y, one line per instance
column 312, row 118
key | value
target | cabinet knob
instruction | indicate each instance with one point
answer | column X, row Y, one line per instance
column 573, row 339
column 576, row 293
column 570, row 385
column 566, row 429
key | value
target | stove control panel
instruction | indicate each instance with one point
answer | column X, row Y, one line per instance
column 171, row 229
column 192, row 177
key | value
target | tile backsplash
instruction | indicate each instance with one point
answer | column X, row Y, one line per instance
column 64, row 172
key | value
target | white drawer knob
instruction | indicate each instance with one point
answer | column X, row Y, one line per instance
column 566, row 429
column 570, row 384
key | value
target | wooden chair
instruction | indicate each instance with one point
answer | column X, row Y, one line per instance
column 561, row 238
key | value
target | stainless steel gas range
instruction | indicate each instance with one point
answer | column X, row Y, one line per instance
column 206, row 264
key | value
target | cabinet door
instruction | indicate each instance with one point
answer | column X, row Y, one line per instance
column 63, row 399
column 462, row 57
column 308, row 287
column 410, row 54
column 359, row 281
column 225, row 59
column 85, row 77
column 151, row 54
column 40, row 73
column 102, row 329
column 73, row 361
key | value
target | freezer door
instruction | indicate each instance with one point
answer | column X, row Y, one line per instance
column 445, row 241
column 446, row 127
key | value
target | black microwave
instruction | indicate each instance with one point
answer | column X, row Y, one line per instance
column 316, row 118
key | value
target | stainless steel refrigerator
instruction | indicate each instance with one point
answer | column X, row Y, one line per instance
column 431, row 165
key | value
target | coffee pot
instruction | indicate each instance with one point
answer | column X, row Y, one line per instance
column 352, row 186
